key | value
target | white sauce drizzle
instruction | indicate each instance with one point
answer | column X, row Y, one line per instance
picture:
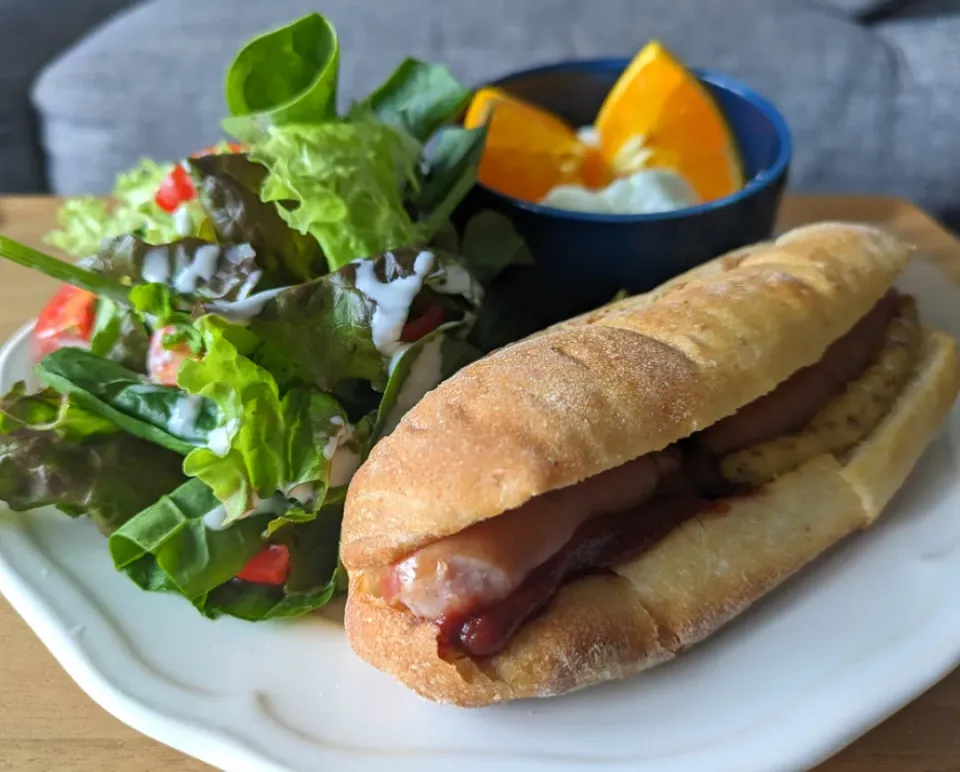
column 344, row 466
column 344, row 460
column 204, row 266
column 183, row 418
column 425, row 373
column 220, row 438
column 214, row 519
column 589, row 136
column 156, row 267
column 183, row 220
column 454, row 279
column 303, row 493
column 392, row 299
column 244, row 310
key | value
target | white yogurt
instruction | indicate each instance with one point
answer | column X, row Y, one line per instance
column 644, row 192
column 203, row 266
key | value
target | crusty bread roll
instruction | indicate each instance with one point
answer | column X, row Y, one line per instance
column 595, row 392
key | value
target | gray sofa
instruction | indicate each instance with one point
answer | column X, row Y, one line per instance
column 870, row 87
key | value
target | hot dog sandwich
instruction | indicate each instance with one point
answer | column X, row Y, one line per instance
column 589, row 502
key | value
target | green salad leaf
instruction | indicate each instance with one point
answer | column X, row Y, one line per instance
column 342, row 183
column 451, row 173
column 229, row 187
column 490, row 244
column 284, row 76
column 163, row 415
column 170, row 546
column 54, row 452
column 326, row 327
column 315, row 574
column 86, row 221
column 432, row 359
column 418, row 98
column 265, row 443
column 120, row 335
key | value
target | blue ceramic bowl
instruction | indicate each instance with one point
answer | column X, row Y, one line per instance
column 582, row 260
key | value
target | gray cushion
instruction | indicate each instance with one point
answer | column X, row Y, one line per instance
column 31, row 33
column 151, row 81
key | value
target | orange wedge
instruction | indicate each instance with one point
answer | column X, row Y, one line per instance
column 658, row 114
column 528, row 151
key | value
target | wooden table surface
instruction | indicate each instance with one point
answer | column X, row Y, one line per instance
column 48, row 724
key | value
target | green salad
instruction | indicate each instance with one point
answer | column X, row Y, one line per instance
column 239, row 328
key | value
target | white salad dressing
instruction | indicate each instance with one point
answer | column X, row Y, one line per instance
column 392, row 299
column 203, row 266
column 156, row 266
column 183, row 417
column 454, row 279
column 344, row 460
column 345, row 463
column 643, row 192
column 220, row 438
column 302, row 493
column 214, row 519
column 183, row 220
column 425, row 373
column 244, row 310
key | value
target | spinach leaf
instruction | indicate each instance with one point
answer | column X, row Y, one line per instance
column 490, row 244
column 422, row 367
column 170, row 546
column 315, row 574
column 452, row 170
column 50, row 411
column 164, row 415
column 229, row 187
column 285, row 76
column 418, row 97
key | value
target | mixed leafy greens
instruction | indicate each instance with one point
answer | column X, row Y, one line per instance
column 242, row 326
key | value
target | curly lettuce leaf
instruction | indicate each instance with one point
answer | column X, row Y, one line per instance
column 190, row 266
column 418, row 98
column 342, row 183
column 229, row 187
column 264, row 443
column 86, row 221
column 163, row 415
column 54, row 452
column 284, row 76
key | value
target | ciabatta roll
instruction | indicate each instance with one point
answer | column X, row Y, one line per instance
column 589, row 502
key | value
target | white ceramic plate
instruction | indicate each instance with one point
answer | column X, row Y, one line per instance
column 810, row 668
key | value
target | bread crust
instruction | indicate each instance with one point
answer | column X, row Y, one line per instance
column 609, row 626
column 551, row 411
